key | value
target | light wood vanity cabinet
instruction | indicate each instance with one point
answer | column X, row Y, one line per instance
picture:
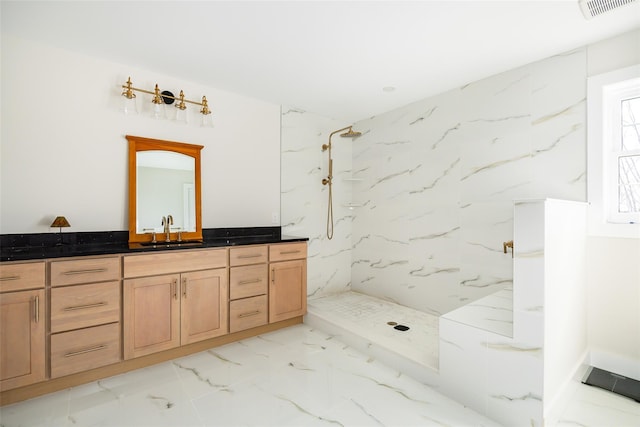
column 287, row 281
column 164, row 311
column 85, row 314
column 22, row 324
column 86, row 318
column 248, row 287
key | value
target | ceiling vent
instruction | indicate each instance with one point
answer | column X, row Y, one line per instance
column 593, row 8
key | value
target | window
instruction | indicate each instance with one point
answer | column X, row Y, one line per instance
column 614, row 152
column 627, row 154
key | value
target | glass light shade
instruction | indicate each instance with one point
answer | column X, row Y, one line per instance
column 157, row 111
column 129, row 105
column 206, row 120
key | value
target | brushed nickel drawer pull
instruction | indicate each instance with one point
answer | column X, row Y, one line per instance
column 297, row 251
column 7, row 278
column 251, row 313
column 82, row 307
column 88, row 350
column 36, row 308
column 90, row 270
column 249, row 256
column 246, row 282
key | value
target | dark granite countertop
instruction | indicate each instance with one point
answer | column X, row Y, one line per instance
column 22, row 247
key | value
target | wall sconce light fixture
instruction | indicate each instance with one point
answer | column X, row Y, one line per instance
column 163, row 98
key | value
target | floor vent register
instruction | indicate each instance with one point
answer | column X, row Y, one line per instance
column 618, row 384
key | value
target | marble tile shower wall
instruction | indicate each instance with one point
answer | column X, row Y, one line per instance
column 304, row 198
column 439, row 178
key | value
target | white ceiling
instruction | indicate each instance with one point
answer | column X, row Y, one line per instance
column 328, row 57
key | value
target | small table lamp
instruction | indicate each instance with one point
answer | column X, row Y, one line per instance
column 60, row 222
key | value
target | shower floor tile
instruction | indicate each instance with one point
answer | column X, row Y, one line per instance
column 368, row 317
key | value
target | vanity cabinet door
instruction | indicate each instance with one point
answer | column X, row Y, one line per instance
column 22, row 333
column 151, row 314
column 287, row 289
column 204, row 305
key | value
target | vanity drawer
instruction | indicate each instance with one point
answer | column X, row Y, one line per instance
column 77, row 271
column 15, row 277
column 173, row 262
column 287, row 251
column 84, row 349
column 248, row 255
column 248, row 313
column 82, row 306
column 248, row 281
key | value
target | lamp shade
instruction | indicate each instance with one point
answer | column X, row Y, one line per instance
column 60, row 221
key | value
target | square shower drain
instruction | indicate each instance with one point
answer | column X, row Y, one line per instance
column 618, row 384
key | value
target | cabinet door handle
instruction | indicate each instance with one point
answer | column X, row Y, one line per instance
column 273, row 275
column 82, row 307
column 246, row 282
column 297, row 251
column 36, row 309
column 88, row 350
column 7, row 278
column 91, row 270
column 249, row 256
column 174, row 288
column 184, row 287
column 251, row 313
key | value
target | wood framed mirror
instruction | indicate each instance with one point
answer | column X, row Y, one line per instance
column 164, row 179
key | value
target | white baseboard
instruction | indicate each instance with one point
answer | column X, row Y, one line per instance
column 556, row 404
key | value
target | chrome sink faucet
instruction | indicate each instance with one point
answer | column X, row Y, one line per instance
column 167, row 222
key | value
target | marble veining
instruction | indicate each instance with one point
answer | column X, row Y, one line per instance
column 298, row 376
column 492, row 313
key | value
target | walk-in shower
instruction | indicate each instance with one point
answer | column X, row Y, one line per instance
column 350, row 133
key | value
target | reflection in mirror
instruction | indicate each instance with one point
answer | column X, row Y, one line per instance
column 166, row 186
column 164, row 179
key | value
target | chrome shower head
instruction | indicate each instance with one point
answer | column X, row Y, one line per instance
column 350, row 133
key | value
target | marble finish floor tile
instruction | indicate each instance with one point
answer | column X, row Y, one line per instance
column 368, row 317
column 297, row 376
column 594, row 407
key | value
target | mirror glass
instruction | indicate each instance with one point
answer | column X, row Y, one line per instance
column 164, row 179
column 166, row 184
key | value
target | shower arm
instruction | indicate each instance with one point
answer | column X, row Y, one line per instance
column 326, row 147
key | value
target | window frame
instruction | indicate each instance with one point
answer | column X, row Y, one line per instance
column 613, row 97
column 604, row 93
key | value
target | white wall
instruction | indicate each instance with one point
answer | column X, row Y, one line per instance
column 63, row 149
column 614, row 304
column 613, row 270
